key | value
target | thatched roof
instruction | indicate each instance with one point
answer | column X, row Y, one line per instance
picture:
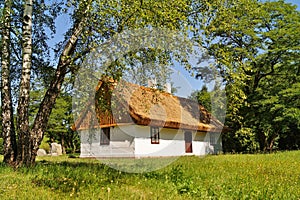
column 119, row 103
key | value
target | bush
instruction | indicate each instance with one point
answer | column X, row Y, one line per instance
column 243, row 140
column 247, row 140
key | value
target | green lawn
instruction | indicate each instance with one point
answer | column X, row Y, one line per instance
column 263, row 176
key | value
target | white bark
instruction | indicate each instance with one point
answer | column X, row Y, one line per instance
column 8, row 131
column 24, row 152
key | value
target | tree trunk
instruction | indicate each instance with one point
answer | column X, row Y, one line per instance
column 42, row 117
column 8, row 131
column 272, row 141
column 29, row 140
column 24, row 144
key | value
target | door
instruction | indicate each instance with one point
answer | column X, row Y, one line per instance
column 188, row 138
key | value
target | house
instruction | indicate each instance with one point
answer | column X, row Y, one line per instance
column 128, row 120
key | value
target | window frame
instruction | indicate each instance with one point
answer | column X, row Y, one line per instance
column 154, row 134
column 105, row 136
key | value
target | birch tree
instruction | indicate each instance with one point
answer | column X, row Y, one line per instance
column 24, row 145
column 8, row 131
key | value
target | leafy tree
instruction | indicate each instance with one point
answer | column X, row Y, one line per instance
column 203, row 97
column 214, row 101
column 256, row 48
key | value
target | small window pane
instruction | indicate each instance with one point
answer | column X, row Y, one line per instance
column 105, row 136
column 154, row 134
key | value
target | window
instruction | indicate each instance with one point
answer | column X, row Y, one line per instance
column 154, row 134
column 105, row 136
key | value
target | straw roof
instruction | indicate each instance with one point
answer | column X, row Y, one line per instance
column 119, row 103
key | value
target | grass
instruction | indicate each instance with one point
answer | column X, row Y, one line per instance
column 262, row 176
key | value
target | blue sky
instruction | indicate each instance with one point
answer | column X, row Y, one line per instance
column 296, row 2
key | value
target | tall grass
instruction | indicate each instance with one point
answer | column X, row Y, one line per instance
column 263, row 176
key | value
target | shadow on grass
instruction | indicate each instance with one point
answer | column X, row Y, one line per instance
column 72, row 176
column 75, row 176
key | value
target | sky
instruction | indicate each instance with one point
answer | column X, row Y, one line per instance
column 181, row 78
column 296, row 2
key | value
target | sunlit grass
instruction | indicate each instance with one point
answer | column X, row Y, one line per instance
column 262, row 176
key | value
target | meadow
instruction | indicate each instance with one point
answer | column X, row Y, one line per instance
column 260, row 176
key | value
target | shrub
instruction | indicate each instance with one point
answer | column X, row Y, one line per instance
column 243, row 140
column 247, row 140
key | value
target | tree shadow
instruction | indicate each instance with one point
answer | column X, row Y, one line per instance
column 71, row 176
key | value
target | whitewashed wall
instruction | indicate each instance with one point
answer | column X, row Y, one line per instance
column 199, row 143
column 121, row 144
column 171, row 143
column 135, row 141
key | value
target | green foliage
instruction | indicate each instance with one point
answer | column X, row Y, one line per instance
column 256, row 48
column 243, row 140
column 203, row 97
column 265, row 176
column 214, row 101
column 247, row 140
column 59, row 125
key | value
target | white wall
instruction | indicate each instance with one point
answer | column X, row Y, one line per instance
column 121, row 144
column 135, row 141
column 171, row 143
column 199, row 143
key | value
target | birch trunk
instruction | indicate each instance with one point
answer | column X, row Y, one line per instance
column 24, row 144
column 8, row 131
